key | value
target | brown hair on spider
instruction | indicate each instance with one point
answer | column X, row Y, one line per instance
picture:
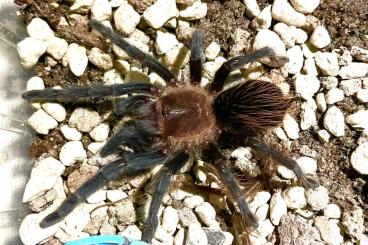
column 170, row 125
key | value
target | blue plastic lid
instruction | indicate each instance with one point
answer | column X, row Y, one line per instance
column 107, row 240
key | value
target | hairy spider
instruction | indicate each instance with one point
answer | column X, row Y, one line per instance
column 169, row 125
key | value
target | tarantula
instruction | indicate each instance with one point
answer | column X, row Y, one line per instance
column 169, row 125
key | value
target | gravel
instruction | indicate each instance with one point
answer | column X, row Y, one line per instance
column 359, row 159
column 30, row 50
column 278, row 208
column 334, row 121
column 329, row 229
column 332, row 211
column 194, row 12
column 284, row 12
column 291, row 127
column 84, row 119
column 72, row 152
column 42, row 122
column 294, row 197
column 320, row 37
column 306, row 85
column 305, row 7
column 160, row 12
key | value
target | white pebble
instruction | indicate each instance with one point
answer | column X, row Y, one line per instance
column 278, row 208
column 327, row 63
column 170, row 219
column 193, row 201
column 81, row 6
column 291, row 127
column 310, row 67
column 251, row 8
column 194, row 12
column 332, row 211
column 196, row 235
column 30, row 50
column 309, row 50
column 267, row 38
column 113, row 76
column 305, row 7
column 72, row 49
column 84, row 119
column 294, row 197
column 101, row 10
column 262, row 211
column 164, row 42
column 160, row 12
column 317, row 198
column 97, row 197
column 334, row 95
column 263, row 20
column 308, row 115
column 259, row 199
column 100, row 132
column 324, row 136
column 321, row 102
column 177, row 57
column 100, row 59
column 329, row 82
column 179, row 237
column 115, row 195
column 42, row 122
column 35, row 83
column 38, row 28
column 358, row 120
column 72, row 152
column 359, row 159
column 354, row 70
column 307, row 164
column 330, row 230
column 212, row 51
column 264, row 228
column 70, row 133
column 284, row 12
column 207, row 214
column 56, row 47
column 334, row 121
column 362, row 95
column 95, row 147
column 306, row 85
column 351, row 86
column 280, row 133
column 133, row 232
column 285, row 172
column 320, row 37
column 55, row 110
column 360, row 54
column 43, row 178
column 78, row 63
column 126, row 18
column 284, row 31
column 296, row 60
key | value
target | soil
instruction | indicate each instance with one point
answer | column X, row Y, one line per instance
column 346, row 21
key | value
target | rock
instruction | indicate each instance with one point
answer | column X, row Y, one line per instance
column 194, row 12
column 360, row 54
column 306, row 85
column 308, row 115
column 207, row 214
column 43, row 177
column 329, row 229
column 310, row 67
column 320, row 37
column 259, row 199
column 296, row 60
column 286, row 34
column 41, row 122
column 193, row 201
column 135, row 74
column 124, row 213
column 160, row 12
column 278, row 208
column 164, row 42
column 309, row 51
column 113, row 76
column 324, row 136
column 307, row 164
column 296, row 230
column 332, row 211
column 321, row 102
column 267, row 38
column 84, row 119
column 362, row 95
column 30, row 50
column 97, row 197
column 126, row 18
column 240, row 42
column 187, row 217
column 363, row 240
column 81, row 6
column 351, row 86
column 359, row 159
column 215, row 236
column 291, row 126
column 38, row 28
column 358, row 120
column 71, row 152
column 195, row 235
column 101, row 10
column 107, row 229
column 334, row 121
column 280, row 133
column 73, row 48
column 56, row 47
column 263, row 20
column 354, row 70
column 262, row 211
column 284, row 12
column 78, row 63
column 179, row 237
column 115, row 195
column 317, row 198
column 100, row 59
column 212, row 50
column 100, row 132
column 327, row 63
column 334, row 95
column 264, row 228
column 251, row 8
column 79, row 176
column 329, row 82
column 35, row 83
column 177, row 57
column 285, row 172
column 305, row 7
column 55, row 110
column 294, row 197
column 133, row 232
column 133, row 41
column 170, row 219
column 70, row 133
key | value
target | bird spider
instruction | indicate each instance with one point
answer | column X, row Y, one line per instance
column 169, row 125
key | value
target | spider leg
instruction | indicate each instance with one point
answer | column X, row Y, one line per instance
column 80, row 93
column 240, row 61
column 134, row 52
column 161, row 185
column 125, row 106
column 196, row 57
column 262, row 148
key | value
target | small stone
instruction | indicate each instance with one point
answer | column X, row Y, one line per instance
column 251, row 8
column 334, row 95
column 308, row 115
column 70, row 133
column 56, row 47
column 329, row 82
column 113, row 76
column 280, row 133
column 101, row 10
column 286, row 34
column 124, row 212
column 284, row 12
column 330, row 230
column 359, row 159
column 138, row 43
column 195, row 235
column 42, row 122
column 55, row 110
column 305, row 7
column 351, row 86
column 360, row 54
column 259, row 199
column 285, row 172
column 332, row 211
column 78, row 63
column 132, row 231
column 164, row 42
column 107, row 229
column 136, row 75
column 212, row 50
column 170, row 219
column 324, row 136
column 317, row 198
column 160, row 12
column 73, row 48
column 321, row 102
column 320, row 37
column 264, row 228
column 30, row 50
column 115, row 195
column 263, row 20
column 84, row 119
column 294, row 197
column 262, row 211
column 207, row 214
column 162, row 237
column 363, row 240
column 187, row 217
column 307, row 164
column 354, row 70
column 177, row 57
column 193, row 201
column 306, row 85
column 327, row 63
column 100, row 132
column 278, row 208
column 334, row 121
column 35, row 83
column 126, row 18
column 310, row 67
column 296, row 60
column 72, row 152
column 240, row 43
column 79, row 176
column 362, row 95
column 194, row 12
column 81, row 6
column 179, row 237
column 97, row 197
column 38, row 28
column 358, row 120
column 291, row 126
column 344, row 56
column 100, row 59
